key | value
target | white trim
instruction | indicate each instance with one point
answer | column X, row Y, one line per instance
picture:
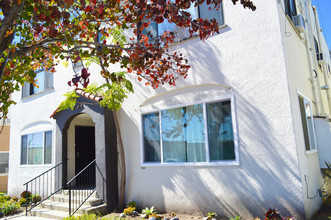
column 310, row 151
column 43, row 151
column 153, row 109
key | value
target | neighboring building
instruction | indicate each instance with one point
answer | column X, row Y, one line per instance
column 248, row 130
column 4, row 152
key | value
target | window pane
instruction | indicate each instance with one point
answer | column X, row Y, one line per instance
column 211, row 13
column 183, row 134
column 151, row 129
column 26, row 90
column 41, row 82
column 180, row 32
column 220, row 131
column 310, row 124
column 35, row 148
column 24, row 151
column 4, row 162
column 48, row 148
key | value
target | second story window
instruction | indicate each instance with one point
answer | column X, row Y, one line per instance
column 290, row 8
column 44, row 82
column 203, row 11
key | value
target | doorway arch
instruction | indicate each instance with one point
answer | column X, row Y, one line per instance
column 105, row 142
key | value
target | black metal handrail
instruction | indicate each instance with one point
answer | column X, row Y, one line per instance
column 81, row 187
column 39, row 187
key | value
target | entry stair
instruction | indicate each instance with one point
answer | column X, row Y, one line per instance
column 57, row 206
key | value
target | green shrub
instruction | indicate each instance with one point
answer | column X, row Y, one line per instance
column 26, row 194
column 237, row 217
column 15, row 199
column 22, row 201
column 211, row 215
column 147, row 212
column 90, row 216
column 132, row 204
column 9, row 207
column 129, row 210
column 35, row 198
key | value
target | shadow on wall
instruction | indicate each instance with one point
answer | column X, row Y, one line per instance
column 267, row 177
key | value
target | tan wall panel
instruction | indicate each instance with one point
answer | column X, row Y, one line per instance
column 4, row 138
column 3, row 183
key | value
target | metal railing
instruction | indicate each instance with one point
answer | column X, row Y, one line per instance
column 81, row 187
column 43, row 186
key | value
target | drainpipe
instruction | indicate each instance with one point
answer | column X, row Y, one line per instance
column 326, row 81
column 309, row 51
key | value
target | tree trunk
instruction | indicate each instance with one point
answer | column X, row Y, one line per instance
column 120, row 204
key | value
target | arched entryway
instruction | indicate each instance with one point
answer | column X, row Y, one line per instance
column 76, row 127
column 81, row 149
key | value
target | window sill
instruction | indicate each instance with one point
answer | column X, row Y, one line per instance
column 36, row 94
column 35, row 165
column 295, row 29
column 193, row 164
column 309, row 152
column 197, row 36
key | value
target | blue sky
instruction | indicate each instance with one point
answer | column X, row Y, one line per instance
column 324, row 13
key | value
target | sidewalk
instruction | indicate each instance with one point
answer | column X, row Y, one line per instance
column 22, row 216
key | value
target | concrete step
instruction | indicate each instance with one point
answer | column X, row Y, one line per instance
column 63, row 207
column 46, row 213
column 92, row 201
column 57, row 207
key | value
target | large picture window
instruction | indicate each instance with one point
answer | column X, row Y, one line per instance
column 36, row 148
column 198, row 133
column 307, row 123
column 203, row 11
column 44, row 82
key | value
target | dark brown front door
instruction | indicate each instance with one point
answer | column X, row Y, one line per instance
column 85, row 154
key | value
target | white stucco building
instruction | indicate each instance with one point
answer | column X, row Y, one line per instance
column 248, row 130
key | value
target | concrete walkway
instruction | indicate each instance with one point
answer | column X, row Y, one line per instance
column 22, row 216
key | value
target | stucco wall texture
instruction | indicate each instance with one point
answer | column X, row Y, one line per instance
column 248, row 60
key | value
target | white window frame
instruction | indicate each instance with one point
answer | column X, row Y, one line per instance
column 310, row 151
column 43, row 153
column 197, row 9
column 29, row 85
column 152, row 109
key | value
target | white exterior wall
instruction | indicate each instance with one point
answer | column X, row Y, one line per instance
column 30, row 115
column 249, row 59
column 246, row 56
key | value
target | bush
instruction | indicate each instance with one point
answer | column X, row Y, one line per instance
column 26, row 194
column 35, row 198
column 9, row 208
column 129, row 210
column 22, row 201
column 15, row 199
column 90, row 216
column 132, row 204
column 274, row 214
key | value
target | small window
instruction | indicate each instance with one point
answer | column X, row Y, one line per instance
column 202, row 11
column 290, row 8
column 4, row 156
column 200, row 133
column 307, row 123
column 36, row 148
column 44, row 82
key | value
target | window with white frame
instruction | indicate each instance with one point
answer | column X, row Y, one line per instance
column 307, row 123
column 198, row 133
column 203, row 11
column 44, row 81
column 36, row 148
